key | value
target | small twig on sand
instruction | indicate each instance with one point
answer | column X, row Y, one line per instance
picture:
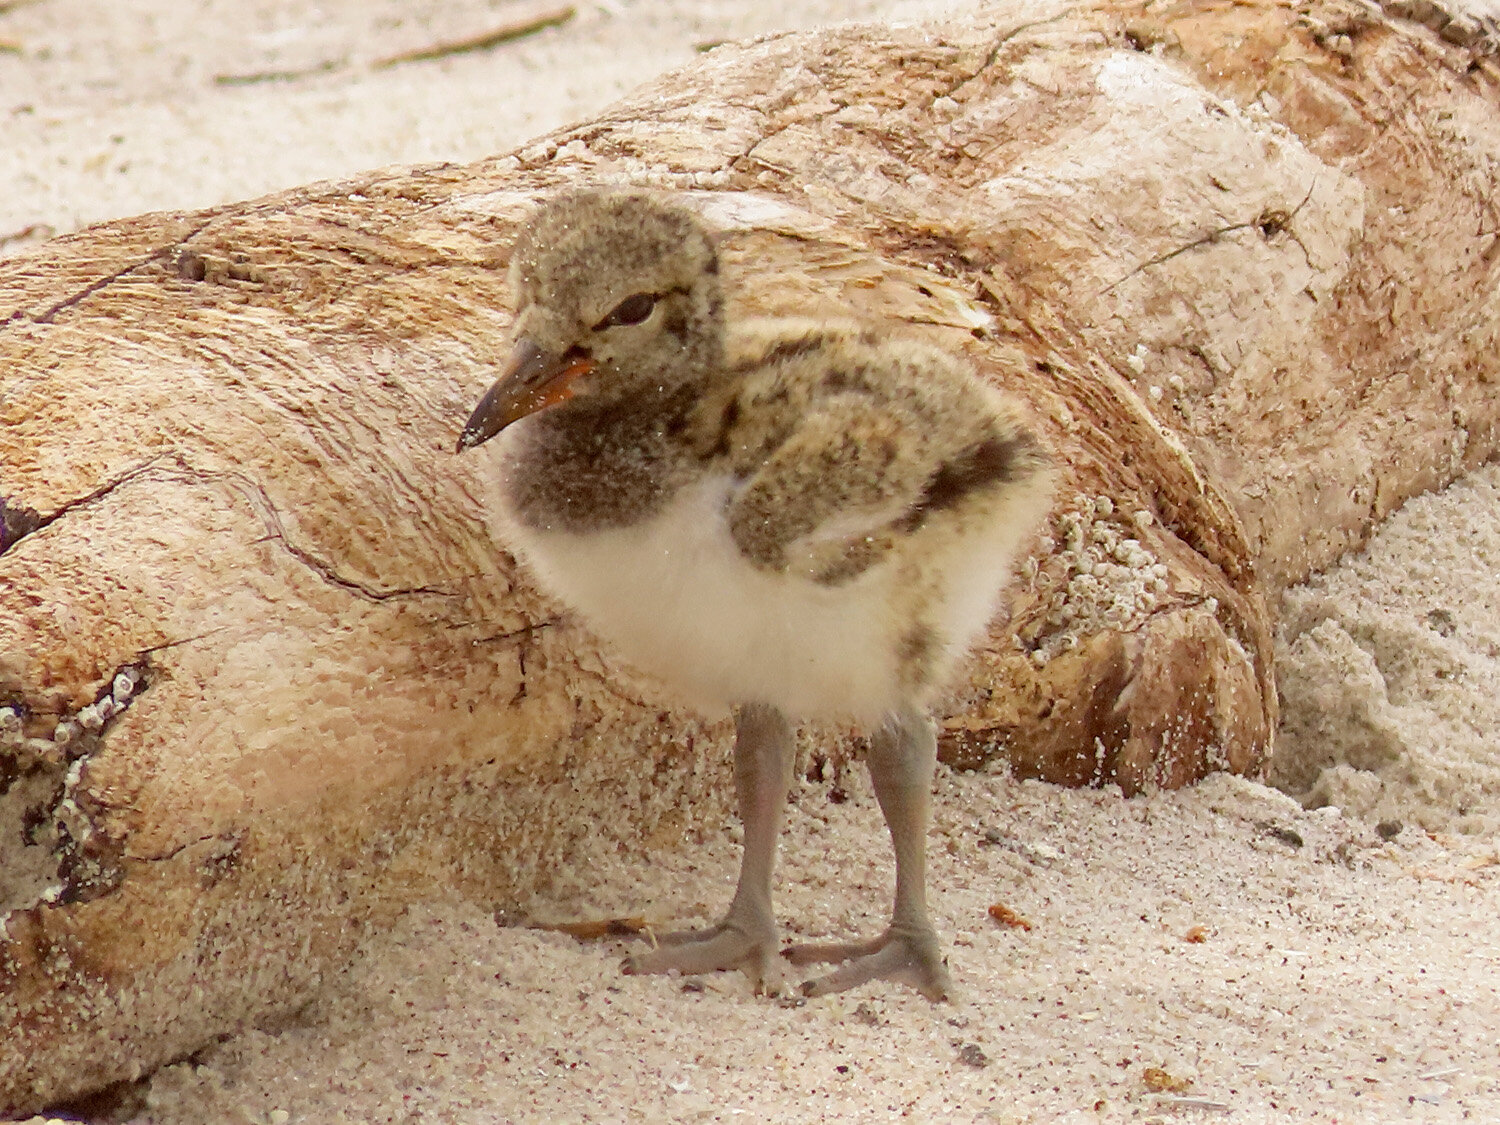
column 277, row 75
column 515, row 29
column 593, row 929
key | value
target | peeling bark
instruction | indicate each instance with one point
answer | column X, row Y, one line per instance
column 1239, row 259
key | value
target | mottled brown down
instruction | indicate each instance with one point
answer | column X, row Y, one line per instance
column 834, row 512
column 265, row 679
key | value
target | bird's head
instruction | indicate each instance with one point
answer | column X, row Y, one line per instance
column 617, row 297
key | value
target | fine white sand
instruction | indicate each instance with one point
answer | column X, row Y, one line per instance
column 1221, row 953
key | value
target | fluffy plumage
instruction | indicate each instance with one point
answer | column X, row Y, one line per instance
column 787, row 518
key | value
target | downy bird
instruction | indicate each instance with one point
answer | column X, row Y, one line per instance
column 783, row 518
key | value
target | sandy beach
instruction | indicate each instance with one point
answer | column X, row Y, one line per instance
column 1321, row 948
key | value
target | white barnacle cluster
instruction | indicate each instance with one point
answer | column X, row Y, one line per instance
column 93, row 717
column 67, row 812
column 1109, row 579
column 10, row 727
column 89, row 719
column 627, row 169
column 63, row 825
column 16, row 744
column 665, row 176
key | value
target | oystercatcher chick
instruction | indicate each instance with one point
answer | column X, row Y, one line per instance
column 784, row 518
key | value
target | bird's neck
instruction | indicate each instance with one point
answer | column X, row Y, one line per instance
column 595, row 463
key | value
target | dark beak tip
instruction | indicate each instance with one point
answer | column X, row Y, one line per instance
column 469, row 438
column 481, row 425
column 533, row 379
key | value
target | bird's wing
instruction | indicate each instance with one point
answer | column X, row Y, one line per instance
column 828, row 496
column 846, row 440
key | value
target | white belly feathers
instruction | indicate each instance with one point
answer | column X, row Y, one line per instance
column 677, row 598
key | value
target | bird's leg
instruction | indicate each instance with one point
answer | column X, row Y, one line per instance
column 903, row 754
column 746, row 938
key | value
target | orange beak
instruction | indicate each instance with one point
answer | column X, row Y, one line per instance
column 533, row 380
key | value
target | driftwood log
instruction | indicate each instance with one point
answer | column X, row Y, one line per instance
column 265, row 677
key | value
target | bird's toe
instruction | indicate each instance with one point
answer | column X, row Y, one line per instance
column 717, row 949
column 913, row 959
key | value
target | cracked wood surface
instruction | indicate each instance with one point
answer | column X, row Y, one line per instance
column 1238, row 258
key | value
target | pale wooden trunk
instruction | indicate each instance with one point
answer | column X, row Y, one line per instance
column 1239, row 259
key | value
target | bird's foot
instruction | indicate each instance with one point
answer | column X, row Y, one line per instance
column 715, row 949
column 911, row 957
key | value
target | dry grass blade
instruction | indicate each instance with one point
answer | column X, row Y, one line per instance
column 514, row 29
column 592, row 929
column 259, row 76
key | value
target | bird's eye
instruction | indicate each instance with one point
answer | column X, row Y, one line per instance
column 632, row 310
